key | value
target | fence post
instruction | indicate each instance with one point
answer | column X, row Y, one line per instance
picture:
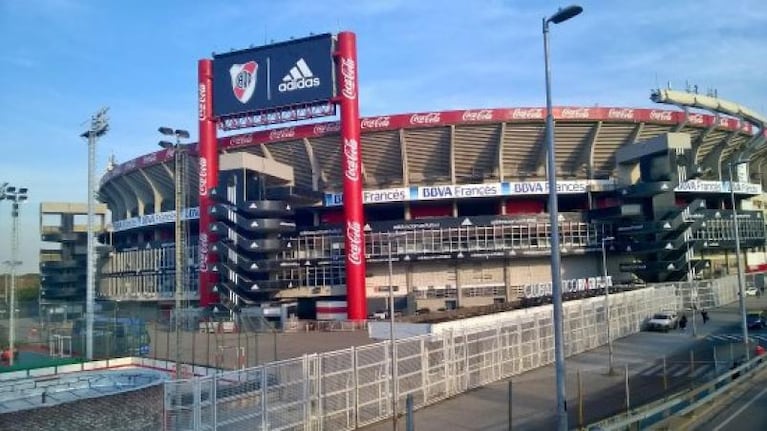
column 356, row 378
column 196, row 406
column 448, row 351
column 213, row 397
column 716, row 363
column 466, row 360
column 732, row 354
column 511, row 416
column 307, row 383
column 580, row 399
column 692, row 363
column 264, row 409
column 424, row 370
column 410, row 423
column 665, row 375
column 498, row 356
column 628, row 394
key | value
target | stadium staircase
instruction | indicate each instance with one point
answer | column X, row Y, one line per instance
column 651, row 224
column 252, row 240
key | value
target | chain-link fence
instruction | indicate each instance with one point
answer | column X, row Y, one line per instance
column 346, row 389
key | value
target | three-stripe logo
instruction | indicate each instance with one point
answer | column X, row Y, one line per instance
column 298, row 78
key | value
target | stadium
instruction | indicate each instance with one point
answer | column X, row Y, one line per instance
column 455, row 201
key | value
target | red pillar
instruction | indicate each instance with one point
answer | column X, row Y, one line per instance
column 354, row 216
column 208, row 151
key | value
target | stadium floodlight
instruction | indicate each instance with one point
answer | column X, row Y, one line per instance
column 562, row 15
column 178, row 133
column 165, row 131
column 741, row 282
column 179, row 193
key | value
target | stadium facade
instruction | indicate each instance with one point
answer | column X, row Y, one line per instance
column 455, row 201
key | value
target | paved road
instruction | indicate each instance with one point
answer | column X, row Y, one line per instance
column 748, row 411
column 533, row 393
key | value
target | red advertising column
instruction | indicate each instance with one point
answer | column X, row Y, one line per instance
column 346, row 62
column 208, row 149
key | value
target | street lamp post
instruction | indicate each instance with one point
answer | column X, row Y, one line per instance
column 16, row 196
column 178, row 191
column 610, row 370
column 741, row 282
column 392, row 338
column 556, row 275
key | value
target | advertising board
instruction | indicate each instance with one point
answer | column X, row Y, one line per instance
column 296, row 72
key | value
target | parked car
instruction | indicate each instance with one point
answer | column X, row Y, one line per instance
column 755, row 320
column 752, row 291
column 663, row 321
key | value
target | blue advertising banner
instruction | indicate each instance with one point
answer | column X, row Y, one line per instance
column 273, row 76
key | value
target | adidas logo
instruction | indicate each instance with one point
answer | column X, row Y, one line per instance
column 299, row 77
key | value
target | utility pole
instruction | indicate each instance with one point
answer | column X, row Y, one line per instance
column 98, row 128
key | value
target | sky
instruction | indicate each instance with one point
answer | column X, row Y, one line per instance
column 62, row 60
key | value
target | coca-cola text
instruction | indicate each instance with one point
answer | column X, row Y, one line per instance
column 375, row 122
column 349, row 75
column 481, row 115
column 429, row 118
column 527, row 114
column 351, row 155
column 354, row 235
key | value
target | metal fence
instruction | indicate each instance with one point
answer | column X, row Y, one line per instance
column 350, row 388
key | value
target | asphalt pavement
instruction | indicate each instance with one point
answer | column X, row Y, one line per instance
column 658, row 364
column 747, row 411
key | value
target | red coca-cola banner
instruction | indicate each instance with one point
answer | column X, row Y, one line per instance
column 351, row 164
column 208, row 150
column 444, row 118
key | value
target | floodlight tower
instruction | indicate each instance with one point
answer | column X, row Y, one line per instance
column 98, row 128
column 16, row 196
column 180, row 202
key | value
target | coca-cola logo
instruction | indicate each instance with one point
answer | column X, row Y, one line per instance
column 203, row 176
column 527, row 114
column 375, row 122
column 575, row 113
column 695, row 118
column 203, row 250
column 621, row 113
column 202, row 109
column 429, row 118
column 287, row 132
column 246, row 139
column 351, row 154
column 481, row 115
column 354, row 236
column 349, row 78
column 321, row 129
column 661, row 115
